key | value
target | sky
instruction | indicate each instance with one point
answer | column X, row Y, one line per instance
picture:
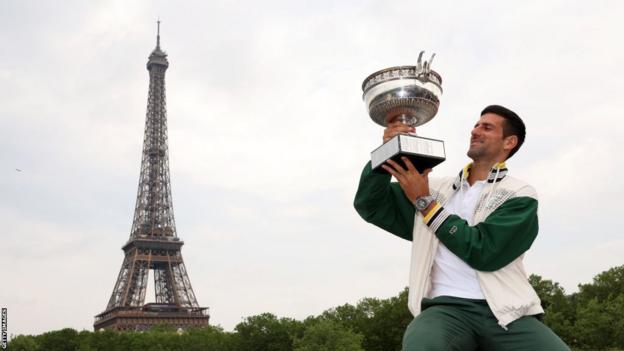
column 268, row 135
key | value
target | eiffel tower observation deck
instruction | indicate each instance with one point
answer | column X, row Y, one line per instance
column 153, row 244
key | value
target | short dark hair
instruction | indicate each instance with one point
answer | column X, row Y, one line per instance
column 513, row 124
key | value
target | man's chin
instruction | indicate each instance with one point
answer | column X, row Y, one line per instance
column 472, row 153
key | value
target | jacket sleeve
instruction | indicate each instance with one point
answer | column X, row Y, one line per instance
column 383, row 203
column 492, row 244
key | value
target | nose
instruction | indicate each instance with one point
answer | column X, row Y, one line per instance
column 474, row 132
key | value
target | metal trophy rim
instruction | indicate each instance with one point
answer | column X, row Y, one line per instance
column 418, row 73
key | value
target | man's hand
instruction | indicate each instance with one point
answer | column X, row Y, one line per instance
column 414, row 184
column 395, row 128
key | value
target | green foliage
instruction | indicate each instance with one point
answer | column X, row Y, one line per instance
column 24, row 343
column 606, row 286
column 382, row 322
column 592, row 319
column 593, row 327
column 328, row 335
column 615, row 308
column 549, row 292
column 157, row 339
column 600, row 311
column 109, row 340
column 265, row 332
column 210, row 338
column 62, row 340
column 561, row 325
column 560, row 310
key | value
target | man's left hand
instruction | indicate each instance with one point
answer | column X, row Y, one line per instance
column 413, row 183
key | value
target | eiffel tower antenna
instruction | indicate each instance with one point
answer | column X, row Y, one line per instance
column 158, row 34
column 153, row 244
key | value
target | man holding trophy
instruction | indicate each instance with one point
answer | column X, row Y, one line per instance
column 468, row 289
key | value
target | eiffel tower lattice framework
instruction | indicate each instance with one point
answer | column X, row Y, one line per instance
column 153, row 244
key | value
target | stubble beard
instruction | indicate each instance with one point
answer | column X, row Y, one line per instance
column 475, row 153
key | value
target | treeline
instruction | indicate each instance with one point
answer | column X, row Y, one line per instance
column 590, row 319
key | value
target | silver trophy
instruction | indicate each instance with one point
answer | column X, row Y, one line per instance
column 410, row 94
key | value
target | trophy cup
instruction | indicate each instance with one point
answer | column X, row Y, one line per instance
column 410, row 94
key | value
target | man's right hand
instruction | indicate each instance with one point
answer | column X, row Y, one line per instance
column 396, row 127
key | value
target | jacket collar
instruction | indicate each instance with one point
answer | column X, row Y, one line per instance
column 497, row 173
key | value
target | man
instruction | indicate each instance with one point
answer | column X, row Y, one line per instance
column 468, row 286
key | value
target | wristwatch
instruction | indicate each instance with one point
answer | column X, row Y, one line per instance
column 423, row 202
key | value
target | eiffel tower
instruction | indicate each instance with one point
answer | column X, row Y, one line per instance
column 153, row 244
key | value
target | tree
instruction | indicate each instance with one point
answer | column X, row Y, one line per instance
column 615, row 308
column 547, row 291
column 328, row 335
column 561, row 325
column 382, row 322
column 559, row 308
column 389, row 322
column 59, row 340
column 592, row 318
column 606, row 285
column 266, row 332
column 594, row 327
column 211, row 338
column 23, row 343
column 111, row 340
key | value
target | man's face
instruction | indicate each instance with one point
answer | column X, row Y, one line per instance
column 486, row 139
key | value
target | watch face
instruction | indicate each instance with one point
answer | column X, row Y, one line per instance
column 421, row 204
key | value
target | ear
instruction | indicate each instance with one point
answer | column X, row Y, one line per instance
column 510, row 142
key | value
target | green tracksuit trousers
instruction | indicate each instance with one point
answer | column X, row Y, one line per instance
column 451, row 323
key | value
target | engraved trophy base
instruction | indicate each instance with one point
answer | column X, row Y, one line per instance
column 423, row 152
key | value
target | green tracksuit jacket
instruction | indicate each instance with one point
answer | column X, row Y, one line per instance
column 505, row 227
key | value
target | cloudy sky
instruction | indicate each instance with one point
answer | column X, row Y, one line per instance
column 268, row 135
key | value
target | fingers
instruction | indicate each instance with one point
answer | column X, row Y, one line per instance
column 398, row 176
column 390, row 170
column 396, row 123
column 409, row 164
column 395, row 170
column 396, row 166
column 400, row 128
column 411, row 168
column 396, row 128
column 425, row 175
